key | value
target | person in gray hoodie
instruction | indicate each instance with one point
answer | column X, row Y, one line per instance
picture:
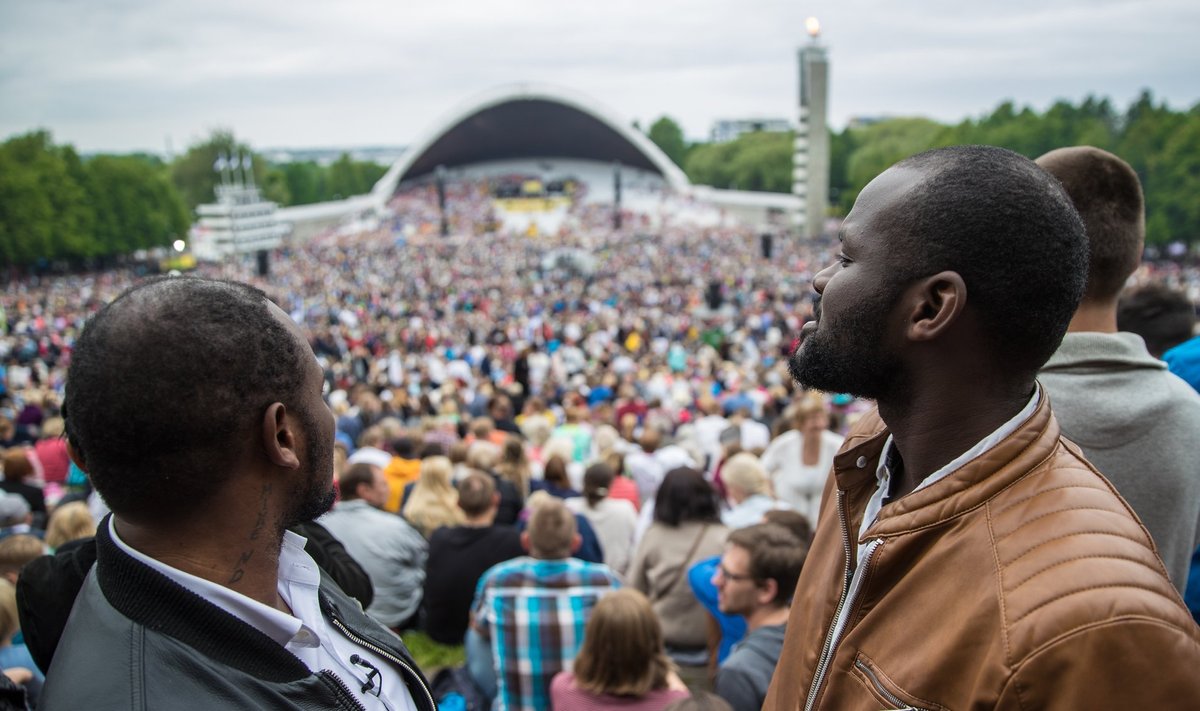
column 756, row 579
column 1134, row 420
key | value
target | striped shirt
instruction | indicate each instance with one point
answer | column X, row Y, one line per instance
column 534, row 613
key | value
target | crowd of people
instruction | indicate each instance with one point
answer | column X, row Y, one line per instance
column 602, row 481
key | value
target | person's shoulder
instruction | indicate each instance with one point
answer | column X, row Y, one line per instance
column 1066, row 529
column 594, row 573
column 511, row 570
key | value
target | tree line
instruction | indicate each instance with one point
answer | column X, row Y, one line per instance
column 56, row 205
column 59, row 207
column 1162, row 145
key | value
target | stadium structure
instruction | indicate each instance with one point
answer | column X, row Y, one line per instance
column 547, row 132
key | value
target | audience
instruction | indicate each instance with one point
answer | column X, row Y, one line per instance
column 390, row 550
column 798, row 461
column 528, row 612
column 460, row 554
column 756, row 579
column 434, row 500
column 69, row 522
column 622, row 664
column 613, row 520
column 687, row 527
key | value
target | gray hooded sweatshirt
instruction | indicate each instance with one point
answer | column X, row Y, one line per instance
column 1140, row 426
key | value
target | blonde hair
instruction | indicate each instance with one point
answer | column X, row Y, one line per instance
column 482, row 455
column 746, row 472
column 9, row 622
column 70, row 522
column 514, row 465
column 434, row 500
column 622, row 652
column 17, row 550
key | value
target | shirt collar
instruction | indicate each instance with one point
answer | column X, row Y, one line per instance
column 276, row 624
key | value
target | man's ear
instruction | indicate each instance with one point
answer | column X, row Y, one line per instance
column 279, row 436
column 525, row 540
column 576, row 543
column 933, row 304
column 767, row 591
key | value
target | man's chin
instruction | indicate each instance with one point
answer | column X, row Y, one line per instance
column 314, row 508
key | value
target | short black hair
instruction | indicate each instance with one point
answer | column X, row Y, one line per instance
column 1106, row 192
column 165, row 386
column 684, row 495
column 1009, row 230
column 1162, row 316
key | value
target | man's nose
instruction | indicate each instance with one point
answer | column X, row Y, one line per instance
column 822, row 278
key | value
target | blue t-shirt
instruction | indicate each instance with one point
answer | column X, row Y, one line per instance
column 733, row 627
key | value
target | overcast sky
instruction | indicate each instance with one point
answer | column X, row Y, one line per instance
column 119, row 75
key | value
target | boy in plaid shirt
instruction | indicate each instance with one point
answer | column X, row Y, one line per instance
column 529, row 613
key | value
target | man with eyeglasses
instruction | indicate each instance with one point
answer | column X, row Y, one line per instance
column 756, row 579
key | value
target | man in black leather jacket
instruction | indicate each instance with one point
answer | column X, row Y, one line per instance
column 195, row 407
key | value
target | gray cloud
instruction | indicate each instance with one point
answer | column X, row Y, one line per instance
column 125, row 74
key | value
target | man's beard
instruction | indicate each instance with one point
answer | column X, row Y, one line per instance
column 316, row 494
column 851, row 359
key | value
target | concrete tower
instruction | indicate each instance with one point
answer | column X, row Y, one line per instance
column 810, row 161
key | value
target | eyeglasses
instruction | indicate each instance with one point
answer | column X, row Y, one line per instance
column 732, row 576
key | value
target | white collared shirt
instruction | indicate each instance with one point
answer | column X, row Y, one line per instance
column 306, row 633
column 883, row 473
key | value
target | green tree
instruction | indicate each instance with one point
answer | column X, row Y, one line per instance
column 879, row 145
column 44, row 213
column 668, row 136
column 754, row 161
column 193, row 172
column 305, row 182
column 136, row 205
column 1173, row 186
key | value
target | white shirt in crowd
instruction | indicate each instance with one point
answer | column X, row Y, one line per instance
column 796, row 484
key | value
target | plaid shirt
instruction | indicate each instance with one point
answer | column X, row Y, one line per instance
column 534, row 612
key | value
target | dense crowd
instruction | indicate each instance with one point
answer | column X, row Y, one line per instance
column 634, row 416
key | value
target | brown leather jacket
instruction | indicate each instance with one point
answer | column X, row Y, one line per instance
column 1020, row 581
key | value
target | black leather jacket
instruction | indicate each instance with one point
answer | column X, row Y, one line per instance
column 136, row 640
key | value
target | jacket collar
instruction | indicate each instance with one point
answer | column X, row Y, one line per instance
column 149, row 598
column 968, row 487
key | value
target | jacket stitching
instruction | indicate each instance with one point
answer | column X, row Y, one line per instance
column 1047, row 491
column 1062, row 636
column 1048, row 541
column 1056, row 598
column 1000, row 590
column 1039, row 517
column 1082, row 557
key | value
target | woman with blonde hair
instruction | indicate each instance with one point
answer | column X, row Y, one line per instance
column 69, row 522
column 434, row 500
column 622, row 663
column 514, row 465
column 798, row 461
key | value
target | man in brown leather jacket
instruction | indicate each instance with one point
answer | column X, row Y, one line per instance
column 967, row 556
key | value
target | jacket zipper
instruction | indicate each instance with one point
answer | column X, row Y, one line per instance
column 852, row 583
column 892, row 698
column 386, row 655
column 341, row 685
